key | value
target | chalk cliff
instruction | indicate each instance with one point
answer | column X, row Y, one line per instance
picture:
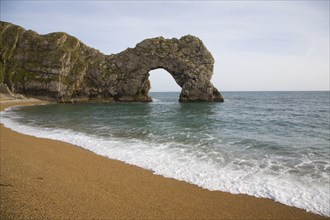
column 60, row 66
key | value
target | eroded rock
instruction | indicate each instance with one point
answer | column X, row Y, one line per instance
column 60, row 66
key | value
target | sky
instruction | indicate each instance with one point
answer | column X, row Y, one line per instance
column 257, row 45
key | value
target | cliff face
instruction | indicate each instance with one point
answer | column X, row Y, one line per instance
column 60, row 66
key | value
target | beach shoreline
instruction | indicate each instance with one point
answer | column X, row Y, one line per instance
column 42, row 178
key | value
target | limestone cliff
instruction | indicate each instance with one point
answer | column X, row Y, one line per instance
column 60, row 66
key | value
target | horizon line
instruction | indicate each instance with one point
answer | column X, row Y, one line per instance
column 261, row 91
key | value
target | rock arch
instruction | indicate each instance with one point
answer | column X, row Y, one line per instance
column 186, row 59
column 60, row 66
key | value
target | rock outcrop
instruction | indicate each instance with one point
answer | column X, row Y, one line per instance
column 6, row 94
column 60, row 66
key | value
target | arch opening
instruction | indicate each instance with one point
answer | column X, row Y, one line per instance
column 162, row 81
column 162, row 84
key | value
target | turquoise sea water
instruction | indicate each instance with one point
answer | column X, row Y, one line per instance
column 266, row 144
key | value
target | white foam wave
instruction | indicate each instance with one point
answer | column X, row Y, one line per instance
column 155, row 100
column 168, row 161
column 160, row 102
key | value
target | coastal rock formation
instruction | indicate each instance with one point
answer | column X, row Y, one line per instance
column 60, row 66
column 6, row 94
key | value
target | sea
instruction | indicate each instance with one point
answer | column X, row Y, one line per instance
column 272, row 145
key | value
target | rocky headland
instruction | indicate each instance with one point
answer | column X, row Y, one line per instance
column 60, row 66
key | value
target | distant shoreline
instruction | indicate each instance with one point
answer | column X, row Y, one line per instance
column 42, row 178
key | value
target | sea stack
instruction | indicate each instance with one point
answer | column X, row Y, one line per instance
column 60, row 66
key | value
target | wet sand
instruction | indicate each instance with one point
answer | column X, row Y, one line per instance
column 42, row 178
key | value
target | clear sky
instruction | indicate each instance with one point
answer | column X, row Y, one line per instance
column 257, row 45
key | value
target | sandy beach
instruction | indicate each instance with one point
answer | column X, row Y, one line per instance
column 46, row 179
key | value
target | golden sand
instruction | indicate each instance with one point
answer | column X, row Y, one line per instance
column 42, row 178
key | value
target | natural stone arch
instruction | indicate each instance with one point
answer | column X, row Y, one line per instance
column 61, row 66
column 186, row 59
